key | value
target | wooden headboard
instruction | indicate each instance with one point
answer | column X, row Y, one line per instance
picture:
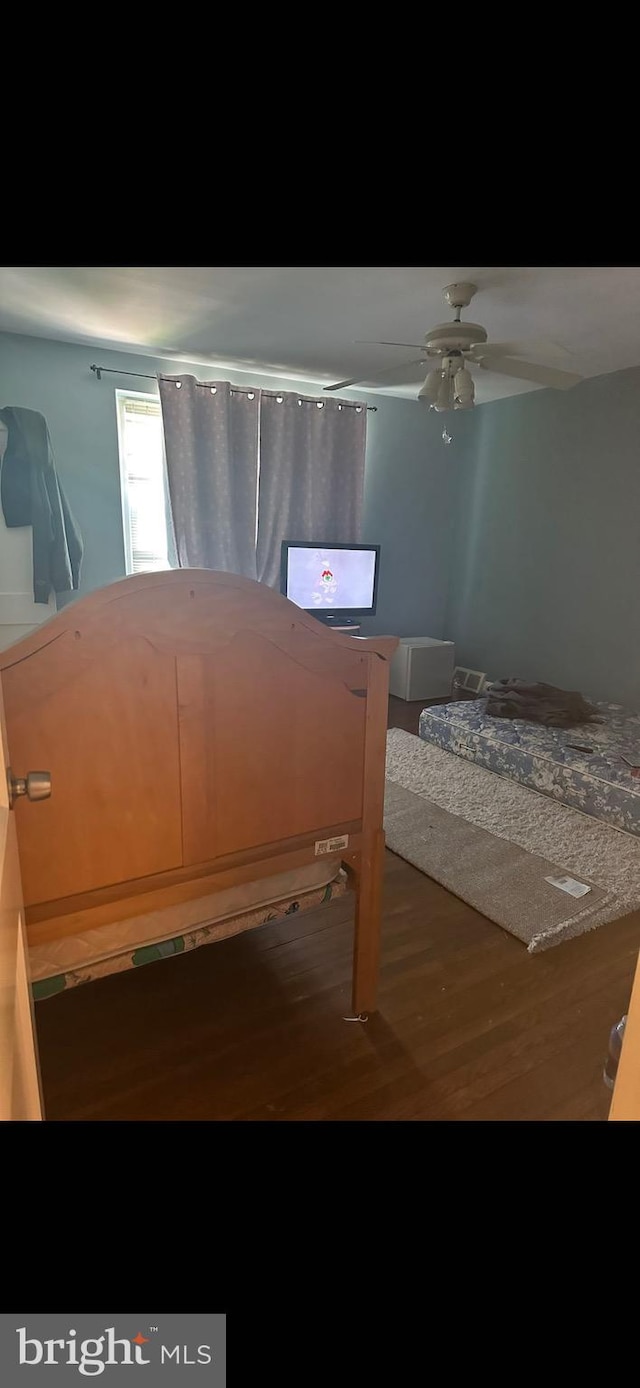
column 199, row 729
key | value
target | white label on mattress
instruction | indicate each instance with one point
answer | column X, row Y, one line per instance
column 331, row 845
column 569, row 884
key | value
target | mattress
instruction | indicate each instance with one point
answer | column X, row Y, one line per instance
column 600, row 782
column 58, row 964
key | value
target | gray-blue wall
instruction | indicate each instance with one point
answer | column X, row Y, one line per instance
column 545, row 571
column 408, row 503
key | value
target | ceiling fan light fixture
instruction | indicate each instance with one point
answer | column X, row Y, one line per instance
column 444, row 399
column 428, row 393
column 463, row 389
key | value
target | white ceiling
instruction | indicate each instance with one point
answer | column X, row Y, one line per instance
column 300, row 321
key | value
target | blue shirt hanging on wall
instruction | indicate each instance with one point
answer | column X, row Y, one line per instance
column 32, row 494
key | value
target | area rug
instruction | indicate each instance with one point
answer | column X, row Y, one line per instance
column 495, row 844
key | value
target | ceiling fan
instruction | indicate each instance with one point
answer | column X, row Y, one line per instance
column 450, row 348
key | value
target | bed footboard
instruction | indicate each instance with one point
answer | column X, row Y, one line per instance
column 199, row 729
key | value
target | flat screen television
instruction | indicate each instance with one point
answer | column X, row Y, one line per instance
column 334, row 581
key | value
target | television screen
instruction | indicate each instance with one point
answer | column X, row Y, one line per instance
column 334, row 579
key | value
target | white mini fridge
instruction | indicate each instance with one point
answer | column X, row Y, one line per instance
column 422, row 668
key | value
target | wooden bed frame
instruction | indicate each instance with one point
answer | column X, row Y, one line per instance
column 200, row 731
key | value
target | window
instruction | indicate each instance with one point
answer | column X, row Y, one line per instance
column 148, row 543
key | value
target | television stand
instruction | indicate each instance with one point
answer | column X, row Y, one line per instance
column 343, row 624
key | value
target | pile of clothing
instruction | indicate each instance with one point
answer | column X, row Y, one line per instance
column 539, row 703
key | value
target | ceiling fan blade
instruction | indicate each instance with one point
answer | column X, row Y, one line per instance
column 537, row 347
column 374, row 375
column 529, row 371
column 377, row 342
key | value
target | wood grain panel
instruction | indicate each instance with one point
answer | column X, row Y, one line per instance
column 269, row 748
column 369, row 861
column 194, row 709
column 250, row 863
column 107, row 732
column 20, row 1098
column 625, row 1104
column 61, row 924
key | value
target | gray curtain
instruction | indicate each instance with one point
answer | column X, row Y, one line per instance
column 311, row 475
column 211, row 446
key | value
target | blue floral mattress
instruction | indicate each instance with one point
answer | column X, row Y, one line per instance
column 600, row 782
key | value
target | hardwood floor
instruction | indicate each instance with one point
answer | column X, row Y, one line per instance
column 406, row 715
column 470, row 1026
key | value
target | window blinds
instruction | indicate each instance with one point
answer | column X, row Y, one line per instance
column 144, row 500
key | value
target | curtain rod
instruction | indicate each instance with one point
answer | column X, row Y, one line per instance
column 239, row 390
